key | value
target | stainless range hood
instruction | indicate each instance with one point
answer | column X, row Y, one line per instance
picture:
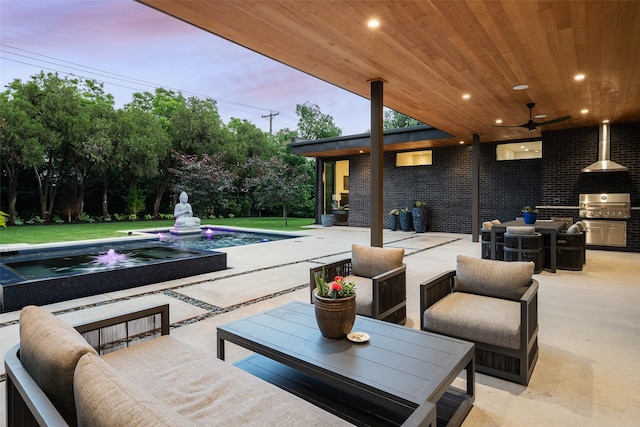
column 604, row 163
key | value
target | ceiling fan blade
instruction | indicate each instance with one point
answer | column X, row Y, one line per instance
column 559, row 119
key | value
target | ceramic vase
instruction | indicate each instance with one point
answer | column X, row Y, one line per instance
column 393, row 222
column 335, row 317
column 530, row 217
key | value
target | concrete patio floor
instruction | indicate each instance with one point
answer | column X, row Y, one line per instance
column 589, row 320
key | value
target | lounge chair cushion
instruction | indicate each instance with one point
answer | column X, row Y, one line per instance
column 476, row 318
column 49, row 351
column 106, row 399
column 487, row 225
column 498, row 279
column 521, row 230
column 369, row 261
column 364, row 294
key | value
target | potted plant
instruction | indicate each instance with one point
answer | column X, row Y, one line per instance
column 419, row 214
column 335, row 306
column 530, row 214
column 405, row 219
column 393, row 219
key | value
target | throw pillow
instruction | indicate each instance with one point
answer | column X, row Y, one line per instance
column 498, row 279
column 369, row 261
column 49, row 350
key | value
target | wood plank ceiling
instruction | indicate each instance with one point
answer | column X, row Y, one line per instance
column 430, row 53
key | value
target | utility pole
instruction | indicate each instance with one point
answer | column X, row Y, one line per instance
column 270, row 116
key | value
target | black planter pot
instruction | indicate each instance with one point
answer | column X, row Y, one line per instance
column 405, row 221
column 393, row 222
column 419, row 219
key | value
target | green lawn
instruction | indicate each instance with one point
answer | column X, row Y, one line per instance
column 51, row 233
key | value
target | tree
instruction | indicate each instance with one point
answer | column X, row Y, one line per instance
column 394, row 120
column 19, row 145
column 142, row 143
column 313, row 124
column 206, row 181
column 244, row 140
column 279, row 185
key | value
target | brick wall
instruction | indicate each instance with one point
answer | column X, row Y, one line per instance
column 505, row 186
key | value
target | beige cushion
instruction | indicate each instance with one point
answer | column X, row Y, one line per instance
column 367, row 261
column 476, row 318
column 496, row 222
column 521, row 230
column 49, row 351
column 364, row 294
column 499, row 279
column 211, row 392
column 106, row 399
column 487, row 225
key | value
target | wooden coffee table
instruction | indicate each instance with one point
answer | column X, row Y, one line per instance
column 396, row 377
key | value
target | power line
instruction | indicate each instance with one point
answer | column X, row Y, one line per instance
column 120, row 77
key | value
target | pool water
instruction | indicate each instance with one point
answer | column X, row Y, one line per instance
column 216, row 238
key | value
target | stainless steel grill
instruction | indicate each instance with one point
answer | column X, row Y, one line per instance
column 604, row 215
column 613, row 206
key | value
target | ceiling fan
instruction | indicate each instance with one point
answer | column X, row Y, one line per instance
column 531, row 125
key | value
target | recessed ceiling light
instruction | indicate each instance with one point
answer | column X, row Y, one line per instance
column 579, row 77
column 540, row 116
column 605, row 121
column 361, row 151
column 584, row 111
column 498, row 121
column 373, row 23
column 461, row 142
column 521, row 87
column 522, row 146
column 466, row 96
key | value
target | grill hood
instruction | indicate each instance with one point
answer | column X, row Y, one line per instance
column 604, row 163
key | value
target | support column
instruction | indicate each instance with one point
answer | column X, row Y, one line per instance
column 377, row 162
column 320, row 189
column 475, row 189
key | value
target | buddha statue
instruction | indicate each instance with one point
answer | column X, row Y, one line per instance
column 184, row 215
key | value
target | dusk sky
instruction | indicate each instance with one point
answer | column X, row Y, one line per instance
column 133, row 48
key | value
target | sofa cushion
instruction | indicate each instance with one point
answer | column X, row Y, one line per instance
column 364, row 294
column 49, row 350
column 210, row 391
column 476, row 318
column 367, row 261
column 487, row 225
column 499, row 279
column 106, row 399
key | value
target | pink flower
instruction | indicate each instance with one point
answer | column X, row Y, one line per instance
column 335, row 286
column 339, row 279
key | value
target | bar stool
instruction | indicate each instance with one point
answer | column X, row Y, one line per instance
column 524, row 244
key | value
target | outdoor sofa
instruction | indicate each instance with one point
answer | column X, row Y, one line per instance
column 493, row 304
column 58, row 377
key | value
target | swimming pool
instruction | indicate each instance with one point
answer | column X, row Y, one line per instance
column 48, row 275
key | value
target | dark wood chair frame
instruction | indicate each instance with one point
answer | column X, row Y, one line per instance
column 506, row 363
column 389, row 289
